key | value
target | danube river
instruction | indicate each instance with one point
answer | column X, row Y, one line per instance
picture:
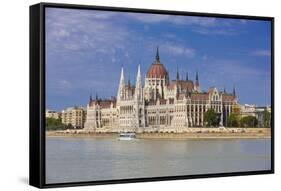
column 89, row 159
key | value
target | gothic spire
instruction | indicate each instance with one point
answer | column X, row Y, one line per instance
column 186, row 76
column 91, row 99
column 138, row 88
column 234, row 91
column 122, row 79
column 178, row 76
column 197, row 79
column 157, row 55
column 129, row 82
column 197, row 86
column 121, row 85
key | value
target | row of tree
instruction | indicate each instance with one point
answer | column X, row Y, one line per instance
column 247, row 121
column 212, row 119
column 53, row 124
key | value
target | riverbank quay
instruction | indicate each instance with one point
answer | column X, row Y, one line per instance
column 191, row 133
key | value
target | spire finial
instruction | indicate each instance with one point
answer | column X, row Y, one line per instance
column 122, row 79
column 197, row 82
column 186, row 76
column 157, row 55
column 129, row 82
column 91, row 99
column 97, row 97
column 234, row 91
column 224, row 90
column 139, row 73
column 178, row 76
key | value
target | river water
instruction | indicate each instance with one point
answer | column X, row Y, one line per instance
column 90, row 159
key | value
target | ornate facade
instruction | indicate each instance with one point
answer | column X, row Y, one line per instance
column 160, row 105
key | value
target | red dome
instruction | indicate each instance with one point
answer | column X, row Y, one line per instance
column 157, row 70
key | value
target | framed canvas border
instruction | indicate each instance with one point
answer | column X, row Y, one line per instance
column 37, row 152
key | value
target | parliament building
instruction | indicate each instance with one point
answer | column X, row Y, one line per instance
column 160, row 105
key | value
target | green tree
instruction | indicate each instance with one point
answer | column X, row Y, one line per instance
column 266, row 119
column 54, row 124
column 249, row 121
column 211, row 118
column 69, row 126
column 232, row 120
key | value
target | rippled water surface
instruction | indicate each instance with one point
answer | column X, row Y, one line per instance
column 89, row 159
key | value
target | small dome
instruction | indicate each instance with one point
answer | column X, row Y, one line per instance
column 157, row 70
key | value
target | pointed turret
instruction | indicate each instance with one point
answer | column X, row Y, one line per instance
column 178, row 76
column 197, row 86
column 234, row 91
column 122, row 79
column 97, row 99
column 121, row 85
column 138, row 88
column 186, row 76
column 91, row 99
column 138, row 79
column 177, row 90
column 129, row 82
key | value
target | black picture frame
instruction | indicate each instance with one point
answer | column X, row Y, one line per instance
column 37, row 95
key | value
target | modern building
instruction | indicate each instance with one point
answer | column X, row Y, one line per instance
column 74, row 116
column 247, row 110
column 161, row 104
column 51, row 114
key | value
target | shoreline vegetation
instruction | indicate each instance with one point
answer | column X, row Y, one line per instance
column 192, row 133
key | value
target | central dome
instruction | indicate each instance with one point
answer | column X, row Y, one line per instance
column 157, row 70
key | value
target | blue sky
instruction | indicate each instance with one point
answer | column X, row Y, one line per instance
column 86, row 49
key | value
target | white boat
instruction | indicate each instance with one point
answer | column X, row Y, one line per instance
column 127, row 136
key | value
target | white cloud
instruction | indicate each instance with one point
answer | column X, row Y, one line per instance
column 205, row 57
column 113, row 60
column 61, row 33
column 59, row 86
column 177, row 49
column 215, row 31
column 174, row 19
column 64, row 84
column 234, row 70
column 83, row 30
column 261, row 53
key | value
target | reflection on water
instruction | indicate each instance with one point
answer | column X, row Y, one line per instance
column 89, row 159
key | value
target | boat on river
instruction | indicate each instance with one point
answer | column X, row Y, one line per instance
column 126, row 136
